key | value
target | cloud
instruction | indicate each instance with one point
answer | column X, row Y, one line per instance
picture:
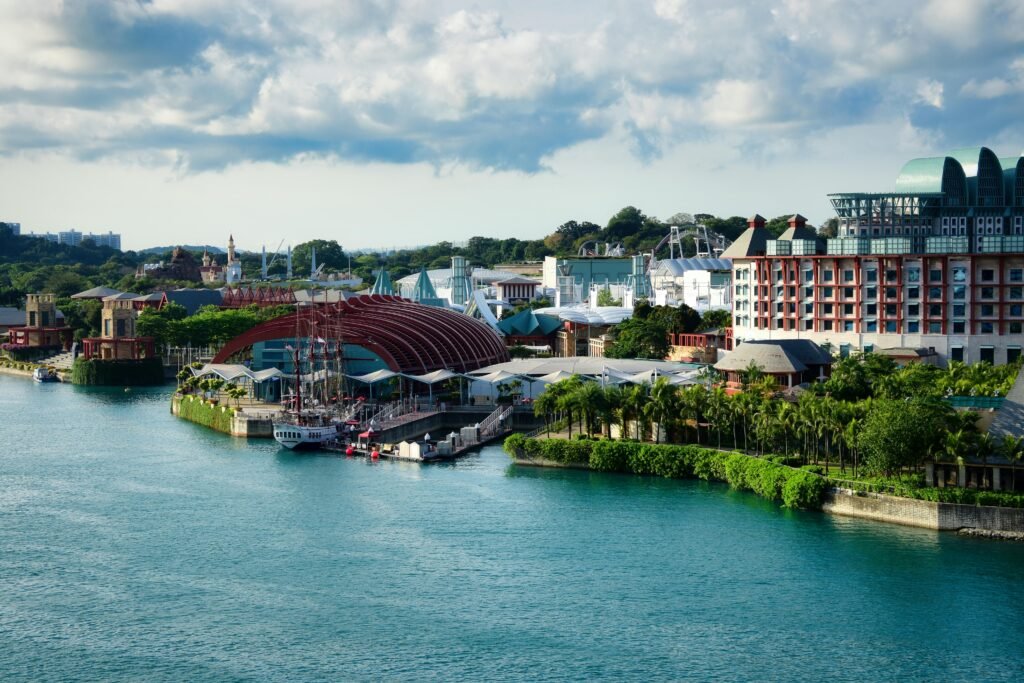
column 211, row 83
column 929, row 92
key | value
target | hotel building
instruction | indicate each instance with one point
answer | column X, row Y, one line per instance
column 937, row 265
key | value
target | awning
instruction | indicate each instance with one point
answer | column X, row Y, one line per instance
column 497, row 376
column 556, row 376
column 374, row 377
column 231, row 372
column 434, row 377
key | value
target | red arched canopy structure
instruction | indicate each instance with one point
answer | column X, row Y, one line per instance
column 409, row 337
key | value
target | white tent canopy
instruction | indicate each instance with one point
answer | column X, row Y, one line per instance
column 374, row 377
column 556, row 376
column 497, row 376
column 230, row 373
column 434, row 377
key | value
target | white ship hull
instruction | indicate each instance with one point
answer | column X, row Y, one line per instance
column 293, row 436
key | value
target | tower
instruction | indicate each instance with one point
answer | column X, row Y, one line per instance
column 231, row 248
column 206, row 258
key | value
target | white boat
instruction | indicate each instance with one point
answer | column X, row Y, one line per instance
column 44, row 375
column 306, row 432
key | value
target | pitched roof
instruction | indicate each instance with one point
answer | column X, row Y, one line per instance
column 517, row 280
column 383, row 284
column 778, row 356
column 95, row 293
column 752, row 242
column 194, row 299
column 424, row 292
column 11, row 317
column 121, row 296
column 801, row 232
column 526, row 323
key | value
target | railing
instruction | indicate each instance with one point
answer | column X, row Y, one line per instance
column 983, row 402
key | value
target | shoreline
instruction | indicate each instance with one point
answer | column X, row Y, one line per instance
column 979, row 521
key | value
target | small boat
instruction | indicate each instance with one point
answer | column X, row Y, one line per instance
column 306, row 431
column 45, row 375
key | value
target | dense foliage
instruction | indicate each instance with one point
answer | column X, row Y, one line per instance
column 772, row 480
column 147, row 372
column 205, row 413
column 209, row 326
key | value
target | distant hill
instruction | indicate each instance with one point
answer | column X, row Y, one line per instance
column 187, row 247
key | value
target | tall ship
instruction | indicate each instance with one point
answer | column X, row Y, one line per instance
column 311, row 418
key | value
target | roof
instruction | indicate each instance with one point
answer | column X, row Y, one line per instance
column 95, row 293
column 11, row 317
column 408, row 337
column 442, row 276
column 517, row 280
column 775, row 356
column 424, row 292
column 934, row 174
column 1009, row 419
column 801, row 232
column 194, row 299
column 678, row 266
column 751, row 242
column 602, row 315
column 904, row 352
column 383, row 285
column 121, row 296
column 526, row 323
column 591, row 366
column 152, row 296
column 330, row 295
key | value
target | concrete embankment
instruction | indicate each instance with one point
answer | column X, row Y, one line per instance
column 923, row 513
column 27, row 374
column 223, row 418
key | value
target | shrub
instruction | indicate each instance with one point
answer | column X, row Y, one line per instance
column 202, row 413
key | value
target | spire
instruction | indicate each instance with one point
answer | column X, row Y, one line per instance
column 424, row 291
column 231, row 249
column 383, row 284
column 206, row 257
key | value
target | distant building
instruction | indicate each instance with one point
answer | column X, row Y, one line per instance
column 571, row 277
column 14, row 227
column 230, row 272
column 74, row 238
column 44, row 326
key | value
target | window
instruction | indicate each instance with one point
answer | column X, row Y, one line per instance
column 808, row 292
column 913, row 274
column 826, row 309
column 826, row 292
column 808, row 309
column 890, row 275
column 988, row 293
column 1016, row 275
column 826, row 275
column 959, row 291
column 808, row 275
column 934, row 327
column 1016, row 310
column 988, row 275
column 913, row 292
column 913, row 326
column 871, row 309
column 868, row 348
column 871, row 275
column 959, row 274
column 914, row 310
column 847, row 292
column 847, row 309
column 987, row 328
column 847, row 276
column 935, row 292
column 844, row 350
column 890, row 326
column 1012, row 354
column 935, row 275
column 827, row 326
column 871, row 326
column 988, row 354
column 890, row 292
column 959, row 327
column 1016, row 293
column 791, row 292
column 890, row 310
column 1016, row 328
column 987, row 310
column 848, row 326
column 959, row 310
column 956, row 353
column 934, row 310
column 871, row 293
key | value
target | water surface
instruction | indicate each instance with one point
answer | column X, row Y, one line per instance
column 136, row 546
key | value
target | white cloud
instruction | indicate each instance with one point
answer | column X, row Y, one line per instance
column 929, row 92
column 998, row 86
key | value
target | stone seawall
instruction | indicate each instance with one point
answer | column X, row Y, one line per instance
column 923, row 513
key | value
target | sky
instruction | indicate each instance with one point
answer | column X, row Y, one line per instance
column 390, row 123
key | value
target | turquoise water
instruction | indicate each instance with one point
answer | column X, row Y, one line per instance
column 135, row 546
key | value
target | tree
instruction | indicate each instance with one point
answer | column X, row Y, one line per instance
column 829, row 229
column 1012, row 448
column 626, row 223
column 663, row 405
column 605, row 298
column 715, row 319
column 898, row 434
column 639, row 338
column 328, row 253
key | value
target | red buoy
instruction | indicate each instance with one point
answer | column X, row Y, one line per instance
column 349, row 451
column 374, row 454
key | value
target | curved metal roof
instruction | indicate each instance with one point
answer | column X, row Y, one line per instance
column 409, row 337
column 934, row 174
column 1013, row 180
column 984, row 175
column 676, row 267
column 604, row 315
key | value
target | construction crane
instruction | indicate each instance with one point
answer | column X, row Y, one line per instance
column 265, row 267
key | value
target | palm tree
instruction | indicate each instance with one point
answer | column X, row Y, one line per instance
column 718, row 410
column 1012, row 448
column 663, row 404
column 785, row 417
column 589, row 400
column 546, row 404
